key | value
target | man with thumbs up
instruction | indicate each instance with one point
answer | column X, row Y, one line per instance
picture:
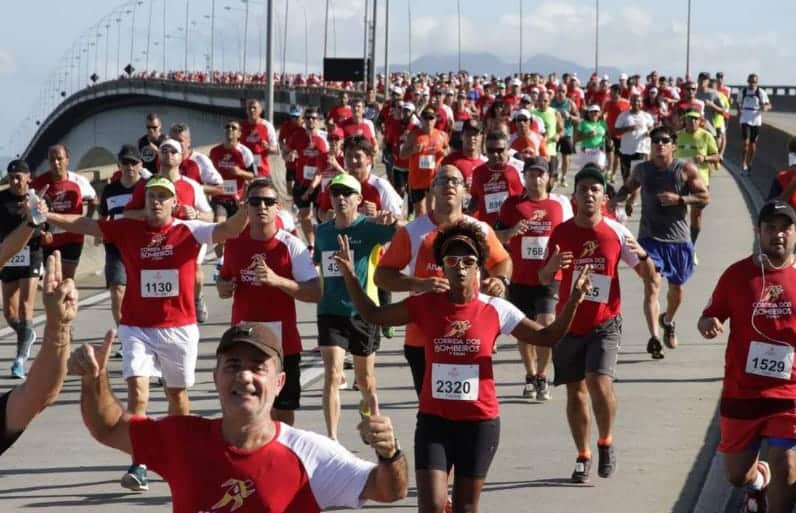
column 248, row 460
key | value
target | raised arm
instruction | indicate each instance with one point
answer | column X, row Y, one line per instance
column 75, row 223
column 394, row 280
column 46, row 375
column 104, row 417
column 394, row 314
column 232, row 227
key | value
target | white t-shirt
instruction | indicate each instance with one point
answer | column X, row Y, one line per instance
column 636, row 140
column 751, row 105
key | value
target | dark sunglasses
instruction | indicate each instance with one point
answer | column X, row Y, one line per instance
column 129, row 162
column 429, row 118
column 661, row 140
column 232, row 127
column 256, row 201
column 152, row 127
column 521, row 120
column 341, row 191
column 496, row 150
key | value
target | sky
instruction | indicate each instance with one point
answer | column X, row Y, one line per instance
column 635, row 36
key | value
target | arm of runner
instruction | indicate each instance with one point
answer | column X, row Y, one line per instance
column 394, row 314
column 225, row 288
column 710, row 327
column 534, row 333
column 632, row 184
column 233, row 226
column 17, row 239
column 639, row 260
column 699, row 197
column 75, row 223
column 558, row 260
column 104, row 417
column 388, row 481
column 46, row 375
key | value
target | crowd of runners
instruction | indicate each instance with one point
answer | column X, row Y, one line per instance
column 474, row 223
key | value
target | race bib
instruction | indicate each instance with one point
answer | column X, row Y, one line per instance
column 533, row 248
column 160, row 283
column 330, row 267
column 309, row 172
column 600, row 287
column 770, row 360
column 495, row 200
column 21, row 259
column 454, row 382
column 457, row 126
column 119, row 201
column 231, row 187
column 427, row 162
column 258, row 159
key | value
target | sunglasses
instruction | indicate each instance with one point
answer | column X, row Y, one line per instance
column 454, row 260
column 232, row 127
column 152, row 127
column 522, row 120
column 448, row 180
column 661, row 140
column 500, row 150
column 341, row 191
column 129, row 162
column 256, row 201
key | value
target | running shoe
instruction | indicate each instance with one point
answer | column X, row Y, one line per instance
column 18, row 368
column 669, row 337
column 696, row 259
column 348, row 362
column 754, row 501
column 388, row 331
column 201, row 309
column 29, row 343
column 135, row 478
column 655, row 348
column 606, row 462
column 542, row 389
column 529, row 390
column 582, row 470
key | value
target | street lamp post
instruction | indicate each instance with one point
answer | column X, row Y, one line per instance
column 597, row 36
column 306, row 44
column 409, row 10
column 163, row 66
column 459, row 22
column 269, row 61
column 688, row 44
column 212, row 37
column 132, row 30
column 373, row 46
column 148, row 36
column 386, row 42
column 520, row 38
column 187, row 29
column 245, row 36
column 284, row 42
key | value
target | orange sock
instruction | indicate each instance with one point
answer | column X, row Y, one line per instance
column 604, row 441
column 584, row 454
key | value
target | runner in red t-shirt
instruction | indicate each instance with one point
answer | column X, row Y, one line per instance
column 585, row 359
column 614, row 105
column 757, row 295
column 494, row 181
column 357, row 124
column 259, row 135
column 458, row 422
column 158, row 329
column 266, row 265
column 286, row 131
column 525, row 223
column 470, row 157
column 340, row 112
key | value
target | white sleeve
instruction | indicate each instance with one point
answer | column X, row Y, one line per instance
column 273, row 140
column 509, row 315
column 337, row 477
column 288, row 223
column 86, row 190
column 372, row 128
column 390, row 199
column 621, row 121
column 301, row 262
column 200, row 200
column 202, row 231
column 622, row 234
column 248, row 156
column 566, row 206
column 207, row 171
column 145, row 173
column 763, row 97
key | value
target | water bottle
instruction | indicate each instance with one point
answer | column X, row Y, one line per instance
column 33, row 202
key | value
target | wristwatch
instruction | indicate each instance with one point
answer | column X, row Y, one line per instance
column 395, row 456
column 646, row 256
column 506, row 281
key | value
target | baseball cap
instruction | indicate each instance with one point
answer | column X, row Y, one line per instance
column 294, row 111
column 472, row 125
column 776, row 208
column 516, row 82
column 693, row 114
column 623, row 76
column 408, row 106
column 256, row 334
column 346, row 180
column 171, row 143
column 397, row 90
column 163, row 182
column 591, row 171
column 18, row 166
column 501, row 85
column 521, row 113
column 129, row 152
column 536, row 162
column 335, row 133
column 593, row 108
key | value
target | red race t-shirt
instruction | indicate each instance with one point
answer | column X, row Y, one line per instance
column 339, row 114
column 491, row 187
column 160, row 265
column 364, row 128
column 312, row 151
column 63, row 197
column 466, row 165
column 296, row 472
column 288, row 257
column 601, row 246
column 257, row 137
column 225, row 160
column 528, row 250
column 762, row 330
column 459, row 383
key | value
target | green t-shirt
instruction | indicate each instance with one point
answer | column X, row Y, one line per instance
column 701, row 142
column 596, row 141
column 366, row 238
column 550, row 126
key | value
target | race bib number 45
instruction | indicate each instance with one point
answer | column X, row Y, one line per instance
column 160, row 283
column 454, row 382
column 330, row 267
column 770, row 360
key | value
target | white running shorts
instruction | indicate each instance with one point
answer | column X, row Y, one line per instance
column 169, row 353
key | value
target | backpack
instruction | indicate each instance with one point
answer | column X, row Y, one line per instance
column 757, row 95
